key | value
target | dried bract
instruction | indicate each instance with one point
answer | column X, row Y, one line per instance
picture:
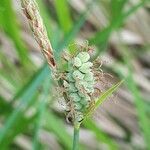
column 31, row 11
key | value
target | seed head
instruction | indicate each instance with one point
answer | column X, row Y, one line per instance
column 79, row 84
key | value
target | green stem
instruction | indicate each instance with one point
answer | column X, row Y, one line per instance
column 76, row 137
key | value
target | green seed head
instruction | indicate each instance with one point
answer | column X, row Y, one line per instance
column 81, row 83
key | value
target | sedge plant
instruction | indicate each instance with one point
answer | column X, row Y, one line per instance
column 77, row 79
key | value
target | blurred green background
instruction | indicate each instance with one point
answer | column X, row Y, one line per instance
column 31, row 115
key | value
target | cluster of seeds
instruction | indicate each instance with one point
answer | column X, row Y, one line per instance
column 79, row 84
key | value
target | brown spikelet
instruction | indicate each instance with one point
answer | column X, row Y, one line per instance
column 31, row 11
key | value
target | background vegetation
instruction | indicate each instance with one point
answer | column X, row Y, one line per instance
column 31, row 115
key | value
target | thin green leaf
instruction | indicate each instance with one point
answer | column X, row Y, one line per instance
column 63, row 15
column 21, row 126
column 77, row 26
column 117, row 8
column 104, row 96
column 40, row 113
column 10, row 26
column 5, row 105
column 134, row 8
column 101, row 37
column 73, row 32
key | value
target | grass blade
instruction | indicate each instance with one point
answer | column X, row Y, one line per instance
column 101, row 37
column 108, row 93
column 117, row 8
column 138, row 100
column 63, row 15
column 76, row 28
column 104, row 96
column 21, row 126
column 140, row 107
column 10, row 26
column 27, row 93
column 40, row 113
column 5, row 105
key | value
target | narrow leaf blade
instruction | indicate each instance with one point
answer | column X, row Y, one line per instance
column 108, row 93
column 104, row 96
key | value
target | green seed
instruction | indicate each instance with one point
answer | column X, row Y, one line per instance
column 92, row 82
column 89, row 89
column 85, row 68
column 72, row 88
column 88, row 98
column 84, row 83
column 83, row 56
column 81, row 94
column 78, row 75
column 75, row 97
column 80, row 85
column 84, row 101
column 89, row 76
column 70, row 78
column 77, row 62
column 77, row 106
column 87, row 86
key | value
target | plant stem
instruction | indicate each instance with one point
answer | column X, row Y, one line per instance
column 76, row 137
